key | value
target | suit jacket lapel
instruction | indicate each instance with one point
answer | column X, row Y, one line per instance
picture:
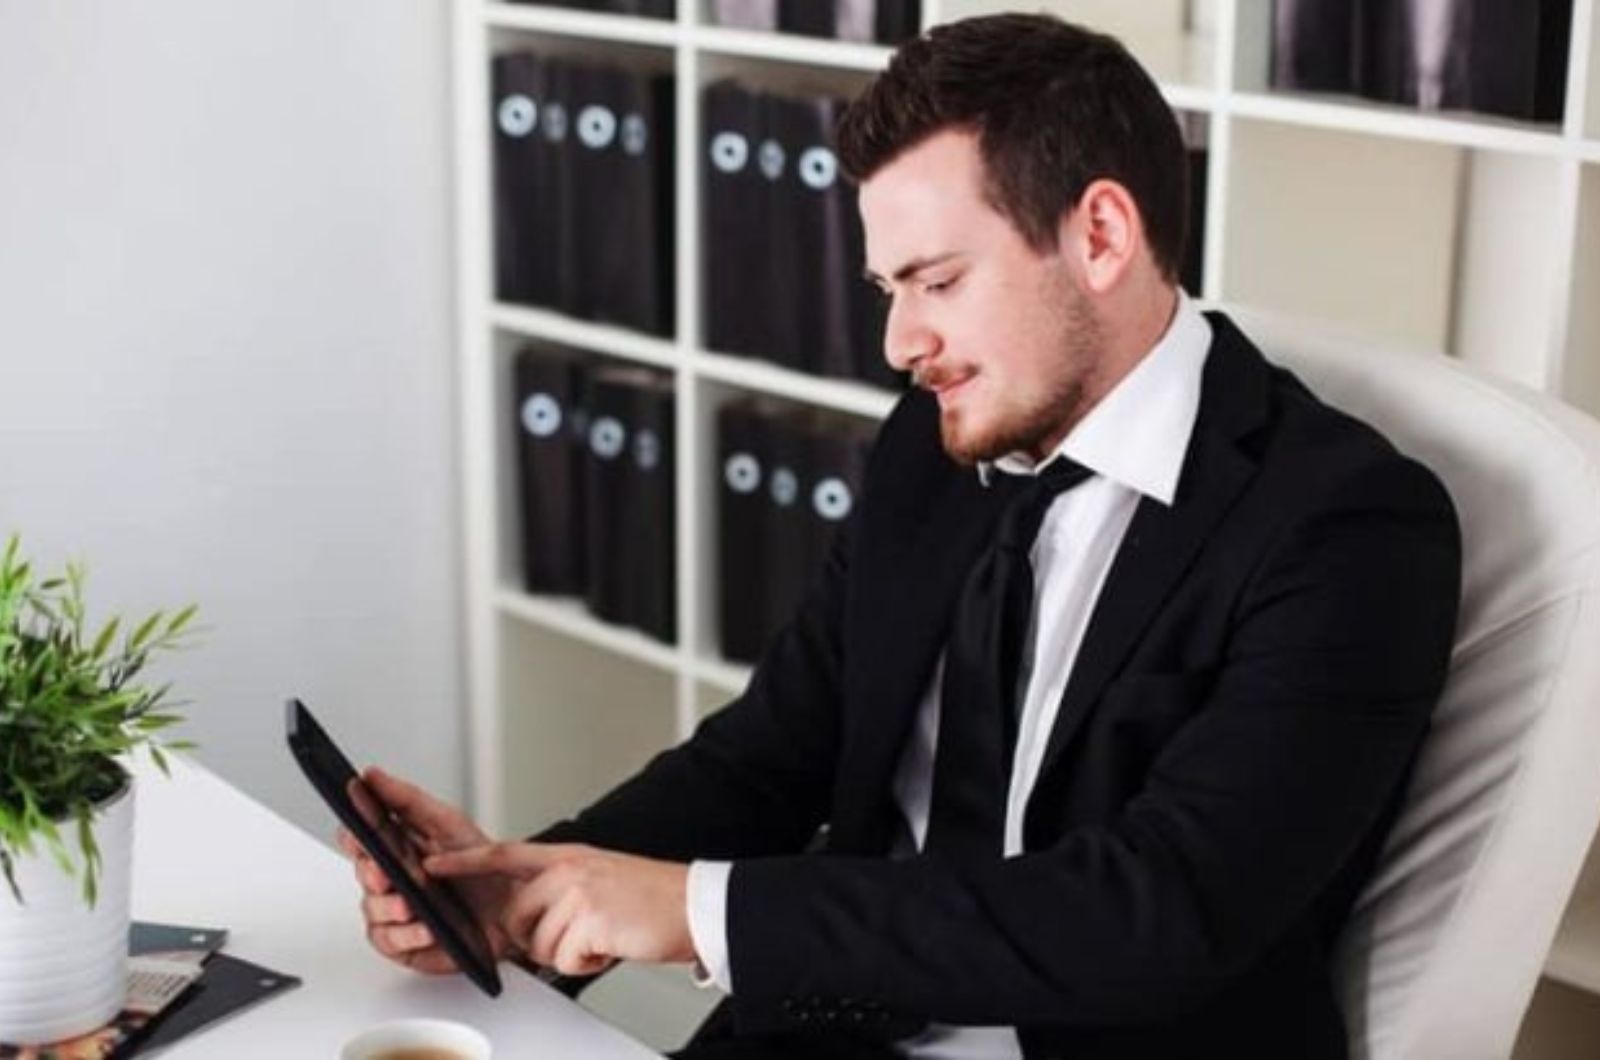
column 1161, row 543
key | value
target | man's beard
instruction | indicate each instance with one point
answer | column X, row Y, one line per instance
column 1028, row 425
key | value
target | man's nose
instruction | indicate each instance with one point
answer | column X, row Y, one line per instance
column 907, row 339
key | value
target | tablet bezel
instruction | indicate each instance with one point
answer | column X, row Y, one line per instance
column 315, row 750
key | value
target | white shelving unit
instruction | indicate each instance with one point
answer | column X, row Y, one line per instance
column 1476, row 237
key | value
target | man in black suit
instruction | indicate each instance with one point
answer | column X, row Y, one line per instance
column 1107, row 694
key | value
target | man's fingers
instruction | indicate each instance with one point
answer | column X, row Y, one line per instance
column 386, row 909
column 398, row 941
column 422, row 810
column 508, row 859
column 542, row 923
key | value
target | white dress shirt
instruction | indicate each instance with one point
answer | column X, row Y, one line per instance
column 1134, row 442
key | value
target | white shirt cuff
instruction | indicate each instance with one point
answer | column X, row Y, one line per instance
column 707, row 898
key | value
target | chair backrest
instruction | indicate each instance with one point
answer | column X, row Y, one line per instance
column 1447, row 941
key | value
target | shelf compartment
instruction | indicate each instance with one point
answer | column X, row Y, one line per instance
column 1427, row 245
column 568, row 616
column 576, row 720
column 1372, row 250
column 1580, row 376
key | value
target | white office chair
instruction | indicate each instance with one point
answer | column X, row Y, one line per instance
column 1446, row 944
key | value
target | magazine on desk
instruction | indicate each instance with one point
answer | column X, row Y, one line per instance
column 178, row 982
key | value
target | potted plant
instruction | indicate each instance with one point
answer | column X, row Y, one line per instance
column 72, row 709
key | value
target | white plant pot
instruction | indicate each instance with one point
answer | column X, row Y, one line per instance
column 64, row 966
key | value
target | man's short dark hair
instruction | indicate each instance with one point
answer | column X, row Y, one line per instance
column 1055, row 107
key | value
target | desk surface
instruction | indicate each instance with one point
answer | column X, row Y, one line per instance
column 206, row 854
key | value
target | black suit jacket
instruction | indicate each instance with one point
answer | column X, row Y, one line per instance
column 1230, row 750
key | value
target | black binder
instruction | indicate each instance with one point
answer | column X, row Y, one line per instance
column 815, row 214
column 652, row 551
column 609, row 511
column 621, row 134
column 551, row 424
column 839, row 449
column 631, row 518
column 1313, row 45
column 1461, row 55
column 742, row 461
column 859, row 21
column 532, row 235
column 787, row 524
column 898, row 20
column 736, row 216
column 746, row 14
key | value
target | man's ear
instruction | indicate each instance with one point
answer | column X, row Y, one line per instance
column 1103, row 233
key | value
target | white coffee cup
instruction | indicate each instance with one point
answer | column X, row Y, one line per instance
column 416, row 1034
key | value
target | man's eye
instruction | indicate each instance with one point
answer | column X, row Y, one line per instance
column 937, row 287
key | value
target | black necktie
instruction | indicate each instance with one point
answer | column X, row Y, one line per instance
column 979, row 706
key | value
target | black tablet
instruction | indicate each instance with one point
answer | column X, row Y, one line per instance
column 433, row 901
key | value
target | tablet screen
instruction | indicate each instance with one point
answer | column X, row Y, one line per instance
column 385, row 838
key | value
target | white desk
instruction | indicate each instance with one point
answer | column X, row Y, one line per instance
column 206, row 854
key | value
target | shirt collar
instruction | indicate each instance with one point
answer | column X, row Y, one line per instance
column 1138, row 434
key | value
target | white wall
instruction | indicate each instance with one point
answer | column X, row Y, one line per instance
column 225, row 367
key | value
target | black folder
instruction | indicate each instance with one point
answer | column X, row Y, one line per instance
column 631, row 519
column 621, row 184
column 817, row 212
column 745, row 14
column 1478, row 55
column 742, row 461
column 606, row 493
column 1313, row 45
column 898, row 20
column 652, row 551
column 786, row 525
column 551, row 424
column 533, row 248
column 736, row 216
column 838, row 463
column 858, row 21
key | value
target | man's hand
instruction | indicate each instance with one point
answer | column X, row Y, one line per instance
column 435, row 826
column 578, row 909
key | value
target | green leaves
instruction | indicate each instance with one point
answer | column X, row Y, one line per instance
column 69, row 708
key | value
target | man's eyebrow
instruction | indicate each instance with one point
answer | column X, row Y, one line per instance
column 911, row 268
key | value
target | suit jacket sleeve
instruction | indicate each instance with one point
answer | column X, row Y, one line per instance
column 1337, row 655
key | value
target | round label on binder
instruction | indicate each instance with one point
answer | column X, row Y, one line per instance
column 555, row 122
column 729, row 151
column 607, row 438
column 646, row 449
column 784, row 487
column 597, row 127
column 541, row 415
column 742, row 473
column 819, row 168
column 771, row 159
column 832, row 499
column 518, row 115
column 635, row 135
